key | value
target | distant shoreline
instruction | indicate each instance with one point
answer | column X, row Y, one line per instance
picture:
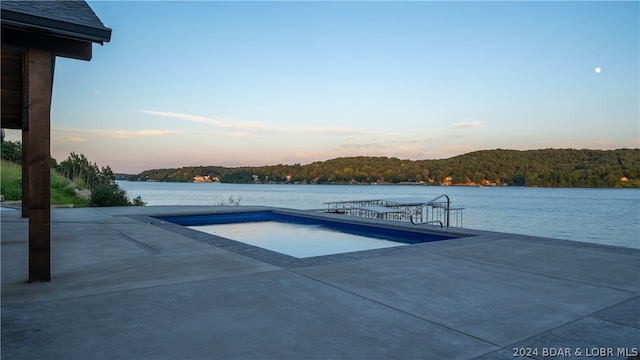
column 568, row 168
column 385, row 184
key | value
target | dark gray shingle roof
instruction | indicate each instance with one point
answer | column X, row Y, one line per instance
column 66, row 18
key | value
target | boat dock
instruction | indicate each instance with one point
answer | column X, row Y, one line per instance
column 419, row 211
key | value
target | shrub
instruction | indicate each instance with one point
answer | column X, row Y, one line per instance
column 11, row 151
column 232, row 202
column 108, row 195
column 137, row 201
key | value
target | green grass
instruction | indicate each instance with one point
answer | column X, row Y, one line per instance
column 62, row 189
column 10, row 180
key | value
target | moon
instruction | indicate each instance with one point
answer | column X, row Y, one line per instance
column 597, row 70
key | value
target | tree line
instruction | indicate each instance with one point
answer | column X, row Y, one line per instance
column 544, row 168
column 79, row 168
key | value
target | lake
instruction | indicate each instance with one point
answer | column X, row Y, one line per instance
column 603, row 216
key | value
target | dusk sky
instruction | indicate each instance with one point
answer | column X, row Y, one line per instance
column 263, row 83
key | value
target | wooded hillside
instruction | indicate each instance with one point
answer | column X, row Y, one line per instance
column 548, row 167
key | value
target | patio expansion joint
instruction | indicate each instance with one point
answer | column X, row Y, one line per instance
column 396, row 309
column 613, row 306
column 140, row 244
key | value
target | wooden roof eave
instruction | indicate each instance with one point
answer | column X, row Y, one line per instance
column 62, row 38
column 58, row 46
column 55, row 27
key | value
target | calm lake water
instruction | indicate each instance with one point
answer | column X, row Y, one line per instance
column 604, row 216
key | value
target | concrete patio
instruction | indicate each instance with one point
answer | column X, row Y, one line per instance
column 128, row 286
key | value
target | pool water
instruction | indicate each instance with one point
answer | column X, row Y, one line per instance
column 302, row 236
column 298, row 240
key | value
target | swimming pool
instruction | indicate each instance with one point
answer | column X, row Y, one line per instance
column 301, row 236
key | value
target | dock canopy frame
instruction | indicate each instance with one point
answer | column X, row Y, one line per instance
column 418, row 211
column 33, row 34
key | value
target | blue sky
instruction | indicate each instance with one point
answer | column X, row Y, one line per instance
column 262, row 83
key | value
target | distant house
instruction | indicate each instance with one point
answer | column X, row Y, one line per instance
column 624, row 178
column 486, row 182
column 205, row 178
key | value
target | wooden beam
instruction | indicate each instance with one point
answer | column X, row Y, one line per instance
column 59, row 46
column 25, row 173
column 11, row 88
column 24, row 117
column 40, row 80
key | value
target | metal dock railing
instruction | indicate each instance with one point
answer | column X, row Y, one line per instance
column 418, row 211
